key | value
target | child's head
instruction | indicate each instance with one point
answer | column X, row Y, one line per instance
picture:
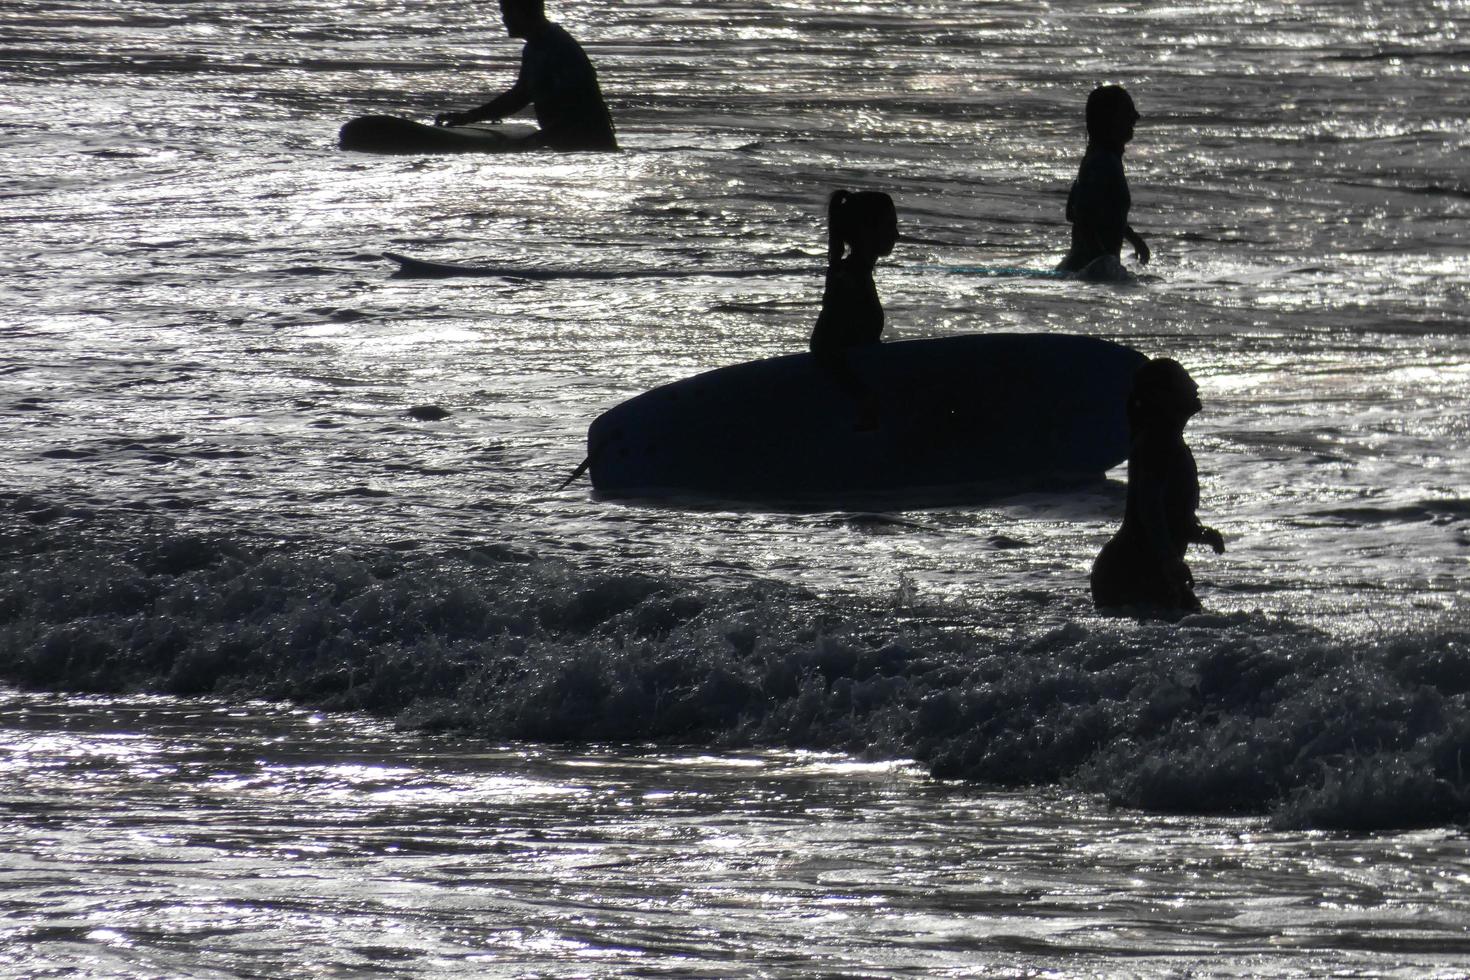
column 864, row 221
column 1110, row 114
column 1163, row 393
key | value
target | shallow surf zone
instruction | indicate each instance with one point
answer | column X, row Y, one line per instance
column 1213, row 714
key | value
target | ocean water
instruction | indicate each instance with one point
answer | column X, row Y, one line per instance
column 253, row 840
column 216, row 503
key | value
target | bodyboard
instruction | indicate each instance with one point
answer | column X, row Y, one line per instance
column 390, row 134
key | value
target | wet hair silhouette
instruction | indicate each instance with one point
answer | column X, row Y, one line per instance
column 556, row 78
column 862, row 226
column 1099, row 201
column 1143, row 564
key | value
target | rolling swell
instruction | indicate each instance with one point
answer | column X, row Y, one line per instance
column 1216, row 714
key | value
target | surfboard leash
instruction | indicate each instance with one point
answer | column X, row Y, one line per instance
column 581, row 468
column 592, row 455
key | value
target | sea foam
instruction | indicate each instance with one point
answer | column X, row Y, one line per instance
column 1213, row 714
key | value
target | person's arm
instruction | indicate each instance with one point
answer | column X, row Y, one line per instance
column 1140, row 247
column 495, row 110
column 1098, row 209
column 1209, row 536
column 1110, row 217
column 1148, row 485
column 1084, row 214
column 1149, row 492
column 513, row 100
column 827, row 331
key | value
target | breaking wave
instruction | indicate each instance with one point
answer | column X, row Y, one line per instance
column 1213, row 714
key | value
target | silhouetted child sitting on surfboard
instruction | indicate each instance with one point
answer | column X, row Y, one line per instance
column 1097, row 205
column 556, row 77
column 862, row 227
column 1143, row 564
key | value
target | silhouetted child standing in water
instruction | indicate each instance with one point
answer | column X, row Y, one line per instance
column 1144, row 564
column 862, row 227
column 1098, row 203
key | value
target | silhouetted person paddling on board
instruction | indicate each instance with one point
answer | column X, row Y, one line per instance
column 1143, row 564
column 556, row 78
column 1098, row 203
column 862, row 227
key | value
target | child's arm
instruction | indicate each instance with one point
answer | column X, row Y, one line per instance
column 1211, row 537
column 1140, row 247
column 508, row 102
column 1159, row 483
column 1148, row 484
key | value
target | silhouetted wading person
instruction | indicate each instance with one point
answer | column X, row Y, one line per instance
column 1098, row 203
column 556, row 78
column 862, row 227
column 1144, row 564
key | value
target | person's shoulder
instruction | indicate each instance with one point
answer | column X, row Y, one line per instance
column 557, row 35
column 1153, row 447
column 1102, row 161
column 555, row 42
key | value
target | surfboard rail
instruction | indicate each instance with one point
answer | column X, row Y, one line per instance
column 410, row 267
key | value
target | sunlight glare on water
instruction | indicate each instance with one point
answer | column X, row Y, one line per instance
column 244, row 460
column 432, row 856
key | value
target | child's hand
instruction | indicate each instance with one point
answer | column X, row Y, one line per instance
column 1178, row 574
column 1140, row 250
column 1213, row 538
column 1180, row 585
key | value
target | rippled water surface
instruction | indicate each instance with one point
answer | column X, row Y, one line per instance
column 200, row 321
column 258, row 841
column 213, row 487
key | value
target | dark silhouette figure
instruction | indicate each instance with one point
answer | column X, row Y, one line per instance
column 1144, row 564
column 862, row 227
column 556, row 78
column 1097, row 205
